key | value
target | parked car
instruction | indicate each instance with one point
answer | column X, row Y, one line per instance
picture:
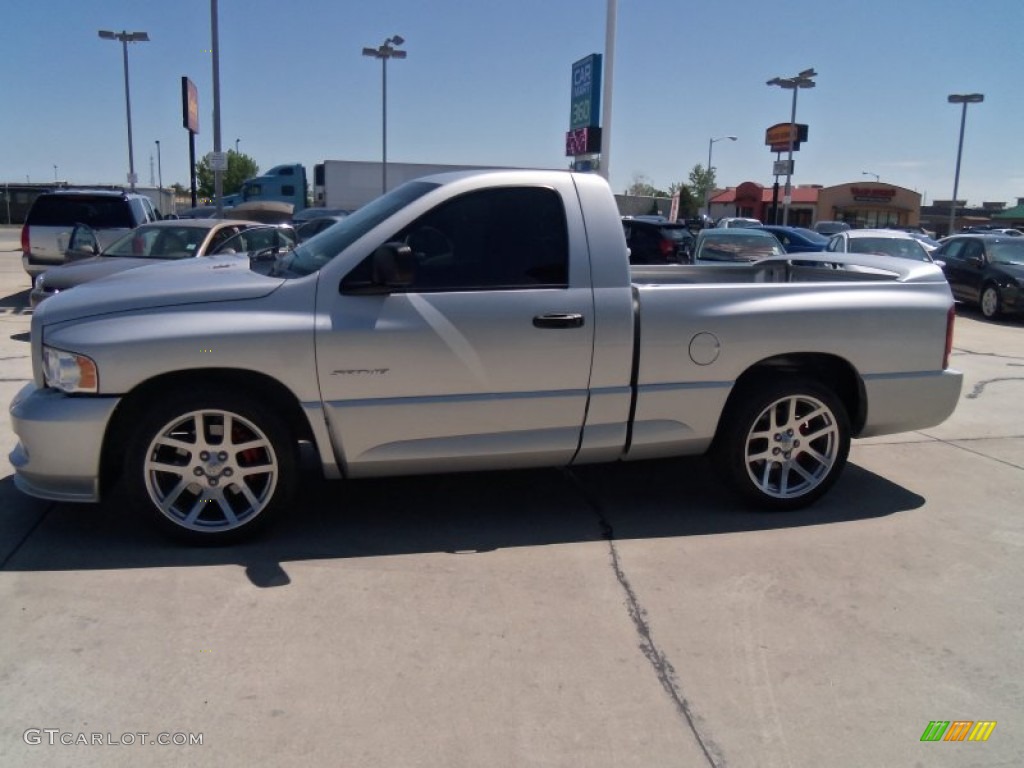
column 729, row 222
column 739, row 245
column 160, row 240
column 884, row 242
column 987, row 270
column 657, row 242
column 53, row 216
column 798, row 239
column 830, row 227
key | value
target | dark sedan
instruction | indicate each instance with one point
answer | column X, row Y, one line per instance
column 798, row 239
column 987, row 270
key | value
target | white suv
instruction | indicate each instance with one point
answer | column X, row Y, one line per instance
column 47, row 230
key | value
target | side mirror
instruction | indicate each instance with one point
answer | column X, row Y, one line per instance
column 394, row 265
column 82, row 244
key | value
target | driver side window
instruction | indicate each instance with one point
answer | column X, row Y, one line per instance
column 506, row 238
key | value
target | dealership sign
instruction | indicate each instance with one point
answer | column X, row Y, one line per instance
column 585, row 105
column 779, row 136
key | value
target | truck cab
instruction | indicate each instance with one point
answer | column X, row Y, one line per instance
column 286, row 183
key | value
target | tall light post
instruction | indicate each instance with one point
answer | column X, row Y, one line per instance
column 236, row 145
column 795, row 83
column 160, row 176
column 965, row 99
column 707, row 192
column 384, row 52
column 869, row 173
column 125, row 38
column 54, row 172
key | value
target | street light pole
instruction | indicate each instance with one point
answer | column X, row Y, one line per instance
column 160, row 176
column 707, row 192
column 125, row 38
column 802, row 80
column 236, row 145
column 869, row 173
column 965, row 99
column 384, row 52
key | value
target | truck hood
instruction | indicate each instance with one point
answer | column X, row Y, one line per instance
column 165, row 284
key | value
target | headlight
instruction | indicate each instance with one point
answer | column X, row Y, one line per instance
column 69, row 372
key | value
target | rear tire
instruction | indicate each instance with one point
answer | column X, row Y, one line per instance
column 784, row 442
column 210, row 468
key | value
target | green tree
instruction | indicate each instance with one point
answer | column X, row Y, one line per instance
column 702, row 181
column 642, row 187
column 240, row 168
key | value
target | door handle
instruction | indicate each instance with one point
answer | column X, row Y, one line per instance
column 559, row 320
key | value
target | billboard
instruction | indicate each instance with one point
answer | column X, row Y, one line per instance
column 189, row 105
column 778, row 136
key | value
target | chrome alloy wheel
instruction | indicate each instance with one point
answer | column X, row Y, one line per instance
column 210, row 470
column 792, row 446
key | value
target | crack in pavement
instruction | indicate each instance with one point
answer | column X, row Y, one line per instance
column 962, row 351
column 980, row 386
column 663, row 669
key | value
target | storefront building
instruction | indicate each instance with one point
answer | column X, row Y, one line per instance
column 858, row 204
column 869, row 205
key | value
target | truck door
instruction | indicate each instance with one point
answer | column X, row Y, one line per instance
column 484, row 360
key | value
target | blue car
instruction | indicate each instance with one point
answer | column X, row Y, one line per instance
column 798, row 239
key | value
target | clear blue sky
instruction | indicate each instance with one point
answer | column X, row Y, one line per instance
column 488, row 83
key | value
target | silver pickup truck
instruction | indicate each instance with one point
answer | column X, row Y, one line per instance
column 470, row 321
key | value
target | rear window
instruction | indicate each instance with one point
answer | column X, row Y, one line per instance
column 676, row 233
column 66, row 211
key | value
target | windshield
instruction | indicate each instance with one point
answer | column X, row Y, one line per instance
column 1007, row 253
column 149, row 242
column 739, row 248
column 313, row 254
column 906, row 248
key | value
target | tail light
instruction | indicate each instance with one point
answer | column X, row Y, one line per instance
column 667, row 248
column 950, row 317
column 24, row 239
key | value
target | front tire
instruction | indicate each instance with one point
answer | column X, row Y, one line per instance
column 784, row 442
column 990, row 304
column 211, row 468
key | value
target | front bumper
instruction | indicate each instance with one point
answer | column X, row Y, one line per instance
column 909, row 401
column 60, row 441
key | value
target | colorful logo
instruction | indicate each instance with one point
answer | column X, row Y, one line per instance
column 958, row 730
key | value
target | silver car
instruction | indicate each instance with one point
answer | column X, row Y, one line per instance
column 161, row 240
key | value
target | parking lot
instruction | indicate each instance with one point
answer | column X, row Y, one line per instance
column 623, row 615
